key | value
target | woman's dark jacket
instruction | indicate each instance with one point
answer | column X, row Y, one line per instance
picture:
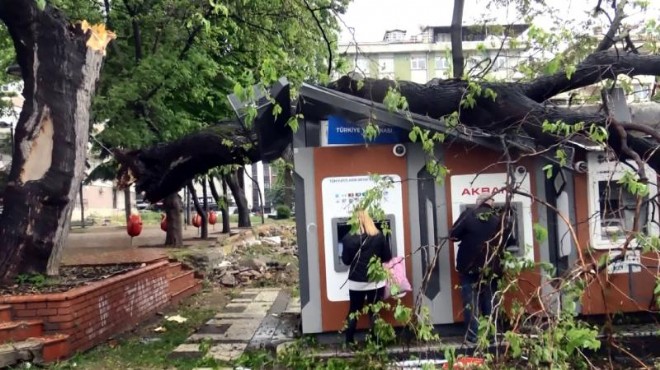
column 358, row 250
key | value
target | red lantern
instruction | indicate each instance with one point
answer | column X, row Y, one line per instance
column 197, row 220
column 134, row 225
column 213, row 218
column 163, row 222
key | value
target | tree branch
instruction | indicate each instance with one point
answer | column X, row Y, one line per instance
column 609, row 38
column 457, row 38
column 325, row 37
column 596, row 67
column 165, row 168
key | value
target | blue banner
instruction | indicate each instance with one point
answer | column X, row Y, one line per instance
column 341, row 131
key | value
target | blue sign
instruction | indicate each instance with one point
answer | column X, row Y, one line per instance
column 341, row 131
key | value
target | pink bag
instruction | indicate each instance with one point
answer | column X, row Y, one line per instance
column 397, row 284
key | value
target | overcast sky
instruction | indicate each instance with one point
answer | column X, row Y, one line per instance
column 370, row 18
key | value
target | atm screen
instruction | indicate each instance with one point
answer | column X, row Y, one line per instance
column 341, row 228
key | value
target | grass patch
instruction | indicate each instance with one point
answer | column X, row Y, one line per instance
column 134, row 352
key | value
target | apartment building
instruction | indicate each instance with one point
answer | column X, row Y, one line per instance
column 423, row 56
column 427, row 55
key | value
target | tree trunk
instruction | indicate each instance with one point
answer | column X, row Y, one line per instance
column 205, row 213
column 518, row 110
column 288, row 177
column 457, row 57
column 82, row 207
column 173, row 211
column 193, row 194
column 255, row 182
column 221, row 202
column 187, row 200
column 238, row 193
column 226, row 227
column 127, row 203
column 162, row 169
column 59, row 71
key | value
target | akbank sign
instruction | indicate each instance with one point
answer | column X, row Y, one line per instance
column 341, row 131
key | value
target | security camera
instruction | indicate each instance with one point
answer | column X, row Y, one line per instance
column 580, row 166
column 399, row 150
column 521, row 170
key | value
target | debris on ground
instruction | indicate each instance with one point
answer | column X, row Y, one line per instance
column 176, row 318
column 265, row 255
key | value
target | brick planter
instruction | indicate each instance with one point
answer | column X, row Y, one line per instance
column 91, row 314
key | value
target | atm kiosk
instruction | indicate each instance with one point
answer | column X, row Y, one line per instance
column 332, row 164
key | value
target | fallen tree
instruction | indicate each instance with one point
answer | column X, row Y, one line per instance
column 165, row 168
column 516, row 109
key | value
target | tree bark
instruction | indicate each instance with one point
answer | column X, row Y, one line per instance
column 127, row 204
column 205, row 213
column 82, row 208
column 173, row 211
column 226, row 227
column 198, row 207
column 517, row 110
column 60, row 71
column 255, row 183
column 458, row 60
column 288, row 177
column 221, row 202
column 163, row 168
column 187, row 212
column 238, row 193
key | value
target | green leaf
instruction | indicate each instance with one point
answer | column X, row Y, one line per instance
column 548, row 171
column 540, row 233
column 412, row 135
column 553, row 66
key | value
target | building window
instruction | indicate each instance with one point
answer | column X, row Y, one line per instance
column 395, row 35
column 499, row 63
column 441, row 63
column 362, row 66
column 418, row 63
column 442, row 37
column 386, row 67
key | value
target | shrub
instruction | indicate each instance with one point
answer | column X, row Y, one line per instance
column 282, row 212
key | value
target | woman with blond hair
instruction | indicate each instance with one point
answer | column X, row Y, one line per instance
column 358, row 249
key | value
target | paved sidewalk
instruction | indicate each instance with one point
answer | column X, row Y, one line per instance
column 251, row 320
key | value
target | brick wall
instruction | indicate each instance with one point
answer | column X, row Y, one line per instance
column 94, row 313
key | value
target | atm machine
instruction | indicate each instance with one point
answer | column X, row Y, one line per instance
column 340, row 195
column 466, row 189
column 332, row 174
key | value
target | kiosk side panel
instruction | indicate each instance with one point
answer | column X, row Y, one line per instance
column 308, row 256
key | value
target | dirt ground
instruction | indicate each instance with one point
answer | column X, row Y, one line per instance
column 116, row 237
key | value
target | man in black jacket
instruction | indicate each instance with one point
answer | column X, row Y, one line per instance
column 478, row 252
